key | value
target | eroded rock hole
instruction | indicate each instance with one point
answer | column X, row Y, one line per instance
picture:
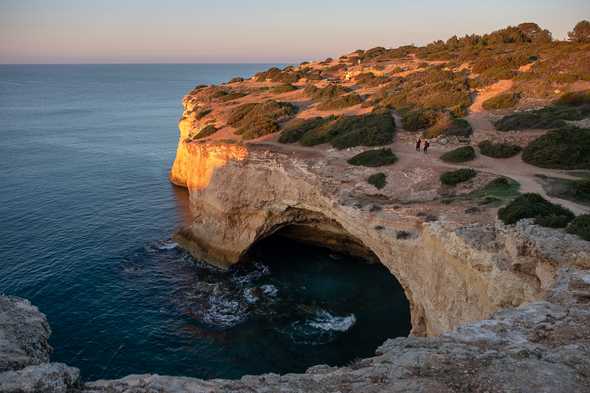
column 338, row 303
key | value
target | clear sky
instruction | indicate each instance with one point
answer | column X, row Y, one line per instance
column 172, row 31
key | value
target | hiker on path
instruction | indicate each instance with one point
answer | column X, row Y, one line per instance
column 418, row 143
column 426, row 146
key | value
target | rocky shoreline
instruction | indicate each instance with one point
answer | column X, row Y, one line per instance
column 543, row 346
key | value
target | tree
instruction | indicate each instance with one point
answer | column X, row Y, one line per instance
column 581, row 32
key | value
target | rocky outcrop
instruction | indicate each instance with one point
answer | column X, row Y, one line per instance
column 24, row 352
column 452, row 272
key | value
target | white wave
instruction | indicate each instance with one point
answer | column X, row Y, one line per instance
column 250, row 295
column 325, row 321
column 169, row 245
column 269, row 290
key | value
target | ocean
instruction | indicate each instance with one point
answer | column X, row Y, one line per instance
column 86, row 215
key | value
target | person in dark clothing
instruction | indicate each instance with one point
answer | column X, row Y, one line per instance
column 426, row 146
column 418, row 143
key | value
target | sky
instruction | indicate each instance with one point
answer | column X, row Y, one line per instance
column 251, row 31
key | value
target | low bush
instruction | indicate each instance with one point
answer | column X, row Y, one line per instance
column 567, row 148
column 374, row 158
column 575, row 98
column 498, row 150
column 418, row 119
column 253, row 120
column 202, row 113
column 378, row 180
column 447, row 125
column 460, row 154
column 545, row 118
column 502, row 101
column 283, row 88
column 453, row 178
column 295, row 129
column 206, row 131
column 580, row 226
column 340, row 102
column 535, row 206
column 325, row 93
column 372, row 129
column 499, row 189
column 237, row 79
column 276, row 75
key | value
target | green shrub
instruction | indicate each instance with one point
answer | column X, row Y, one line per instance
column 545, row 118
column 254, row 120
column 237, row 79
column 498, row 150
column 378, row 180
column 567, row 148
column 374, row 158
column 582, row 189
column 447, row 125
column 206, row 131
column 498, row 189
column 295, row 129
column 460, row 128
column 418, row 119
column 502, row 101
column 460, row 154
column 202, row 113
column 580, row 226
column 453, row 178
column 372, row 129
column 575, row 98
column 535, row 206
column 276, row 75
column 326, row 93
column 340, row 102
column 285, row 88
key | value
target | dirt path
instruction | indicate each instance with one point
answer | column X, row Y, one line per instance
column 513, row 168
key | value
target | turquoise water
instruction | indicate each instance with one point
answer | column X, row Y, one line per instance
column 86, row 213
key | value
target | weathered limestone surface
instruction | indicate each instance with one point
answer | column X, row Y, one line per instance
column 24, row 352
column 452, row 273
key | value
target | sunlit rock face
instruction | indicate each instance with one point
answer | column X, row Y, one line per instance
column 195, row 163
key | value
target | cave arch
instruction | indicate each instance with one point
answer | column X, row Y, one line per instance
column 316, row 229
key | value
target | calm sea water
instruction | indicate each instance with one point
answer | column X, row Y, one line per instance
column 86, row 213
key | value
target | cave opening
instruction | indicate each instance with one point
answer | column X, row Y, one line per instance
column 343, row 302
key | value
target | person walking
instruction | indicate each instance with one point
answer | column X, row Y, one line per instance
column 426, row 146
column 418, row 143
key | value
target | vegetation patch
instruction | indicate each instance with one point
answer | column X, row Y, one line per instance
column 433, row 88
column 499, row 189
column 379, row 180
column 567, row 148
column 254, row 120
column 326, row 93
column 498, row 150
column 535, row 206
column 276, row 75
column 202, row 113
column 460, row 154
column 374, row 158
column 340, row 102
column 570, row 107
column 447, row 125
column 418, row 119
column 372, row 129
column 453, row 178
column 205, row 132
column 502, row 101
column 580, row 226
column 295, row 129
column 285, row 88
column 573, row 190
